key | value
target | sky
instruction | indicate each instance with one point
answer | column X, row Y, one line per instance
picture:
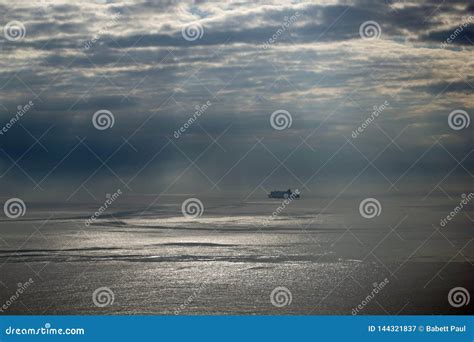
column 213, row 97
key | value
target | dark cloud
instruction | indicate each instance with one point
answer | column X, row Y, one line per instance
column 447, row 87
column 318, row 68
column 457, row 35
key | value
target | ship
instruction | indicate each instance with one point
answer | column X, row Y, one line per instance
column 285, row 194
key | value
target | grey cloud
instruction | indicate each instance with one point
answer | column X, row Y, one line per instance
column 320, row 70
column 457, row 35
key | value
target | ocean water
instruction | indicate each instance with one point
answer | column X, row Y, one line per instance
column 317, row 256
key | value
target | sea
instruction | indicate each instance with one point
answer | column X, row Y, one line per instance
column 231, row 255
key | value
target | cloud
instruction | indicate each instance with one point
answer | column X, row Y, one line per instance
column 459, row 35
column 252, row 59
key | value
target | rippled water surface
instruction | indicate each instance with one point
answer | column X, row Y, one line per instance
column 229, row 260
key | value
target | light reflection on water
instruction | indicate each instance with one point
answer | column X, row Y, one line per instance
column 219, row 221
column 154, row 259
